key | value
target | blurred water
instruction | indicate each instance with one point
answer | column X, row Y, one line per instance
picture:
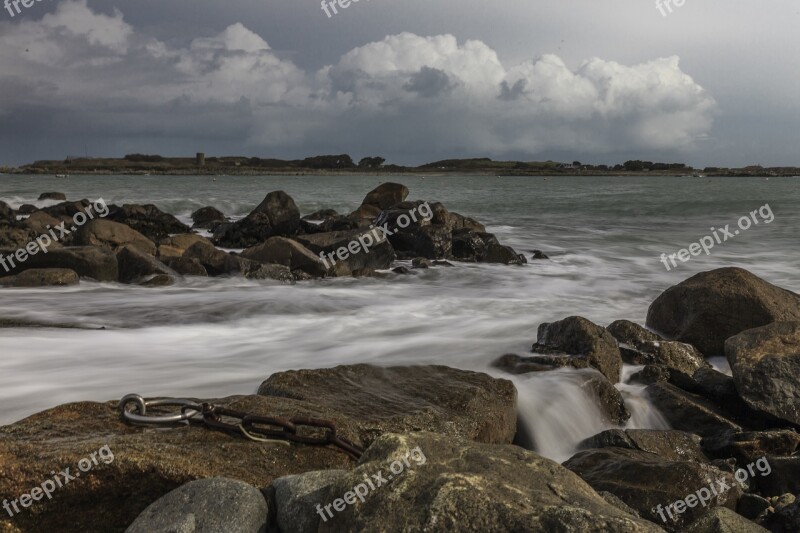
column 214, row 337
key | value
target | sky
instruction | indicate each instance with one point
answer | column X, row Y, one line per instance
column 709, row 83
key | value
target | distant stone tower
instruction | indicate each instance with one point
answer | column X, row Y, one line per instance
column 201, row 159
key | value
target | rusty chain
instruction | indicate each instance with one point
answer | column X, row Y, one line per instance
column 270, row 429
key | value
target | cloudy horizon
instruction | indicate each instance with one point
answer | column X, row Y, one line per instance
column 414, row 83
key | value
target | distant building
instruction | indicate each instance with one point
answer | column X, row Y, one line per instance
column 201, row 159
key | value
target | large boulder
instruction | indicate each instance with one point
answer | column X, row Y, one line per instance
column 677, row 355
column 41, row 277
column 289, row 253
column 276, row 215
column 711, row 307
column 40, row 222
column 418, row 398
column 206, row 505
column 101, row 232
column 386, row 195
column 136, row 266
column 176, row 245
column 148, row 220
column 435, row 483
column 580, row 343
column 96, row 262
column 723, row 520
column 689, row 412
column 672, row 445
column 649, row 483
column 748, row 446
column 6, row 212
column 351, row 251
column 766, row 368
column 631, row 333
column 208, row 217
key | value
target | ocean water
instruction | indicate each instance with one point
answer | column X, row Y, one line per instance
column 216, row 337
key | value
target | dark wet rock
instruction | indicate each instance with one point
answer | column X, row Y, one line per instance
column 786, row 518
column 41, row 277
column 579, row 343
column 715, row 385
column 663, row 374
column 631, row 333
column 6, row 213
column 215, row 261
column 322, row 214
column 289, row 253
column 748, row 446
column 645, row 481
column 669, row 444
column 386, row 195
column 186, row 266
column 96, row 262
column 101, row 232
column 421, row 262
column 766, row 368
column 40, row 222
column 468, row 245
column 67, row 210
column 455, row 485
column 676, row 355
column 24, row 209
column 689, row 412
column 205, row 505
column 15, row 237
column 353, row 251
column 136, row 266
column 783, row 476
column 401, row 270
column 504, row 255
column 176, row 245
column 296, row 495
column 539, row 255
column 147, row 464
column 262, row 271
column 619, row 504
column 723, row 520
column 276, row 215
column 60, row 196
column 607, row 397
column 418, row 398
column 148, row 220
column 711, row 307
column 752, row 506
column 430, row 241
column 208, row 217
column 159, row 280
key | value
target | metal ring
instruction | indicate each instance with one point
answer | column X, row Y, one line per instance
column 189, row 410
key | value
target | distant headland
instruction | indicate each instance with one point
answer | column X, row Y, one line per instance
column 343, row 164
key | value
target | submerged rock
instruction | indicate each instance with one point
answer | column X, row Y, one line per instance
column 60, row 196
column 41, row 277
column 711, row 307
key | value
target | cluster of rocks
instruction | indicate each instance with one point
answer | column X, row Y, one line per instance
column 140, row 244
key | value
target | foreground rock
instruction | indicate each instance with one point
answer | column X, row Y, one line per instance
column 456, row 485
column 98, row 263
column 645, row 481
column 672, row 445
column 289, row 253
column 358, row 250
column 216, row 504
column 136, row 266
column 113, row 234
column 41, row 277
column 148, row 220
column 711, row 307
column 208, row 217
column 766, row 368
column 276, row 215
column 418, row 398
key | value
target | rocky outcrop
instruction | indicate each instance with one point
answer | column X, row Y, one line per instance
column 289, row 253
column 457, row 485
column 102, row 232
column 631, row 333
column 136, row 266
column 351, row 250
column 711, row 307
column 672, row 445
column 276, row 215
column 41, row 277
column 748, row 446
column 186, row 266
column 645, row 481
column 177, row 245
column 386, row 196
column 208, row 217
column 216, row 262
column 418, row 398
column 59, row 196
column 689, row 412
column 95, row 262
column 6, row 213
column 148, row 220
column 40, row 222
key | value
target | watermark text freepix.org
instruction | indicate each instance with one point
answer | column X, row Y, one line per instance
column 662, row 4
column 718, row 236
column 44, row 240
column 329, row 6
column 58, row 480
column 15, row 3
column 371, row 483
column 716, row 488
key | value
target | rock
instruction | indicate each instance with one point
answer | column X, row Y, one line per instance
column 504, row 255
column 723, row 520
column 418, row 398
column 147, row 463
column 363, row 213
column 455, row 485
column 135, row 266
column 669, row 444
column 102, row 232
column 663, row 374
column 94, row 262
column 782, row 475
column 468, row 245
column 177, row 245
column 711, row 307
column 67, row 210
column 159, row 280
column 205, row 505
column 320, row 215
column 149, row 221
column 689, row 412
column 748, row 446
column 677, row 355
column 401, row 270
column 276, row 215
column 455, row 222
column 41, row 277
column 6, row 213
column 386, row 195
column 632, row 334
column 766, row 368
column 262, row 271
column 607, row 397
column 40, row 222
column 576, row 336
column 352, row 250
column 13, row 238
column 539, row 255
column 215, row 261
column 645, row 482
column 786, row 519
column 421, row 262
column 296, row 495
column 186, row 266
column 60, row 196
column 289, row 253
column 24, row 209
column 752, row 506
column 207, row 217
